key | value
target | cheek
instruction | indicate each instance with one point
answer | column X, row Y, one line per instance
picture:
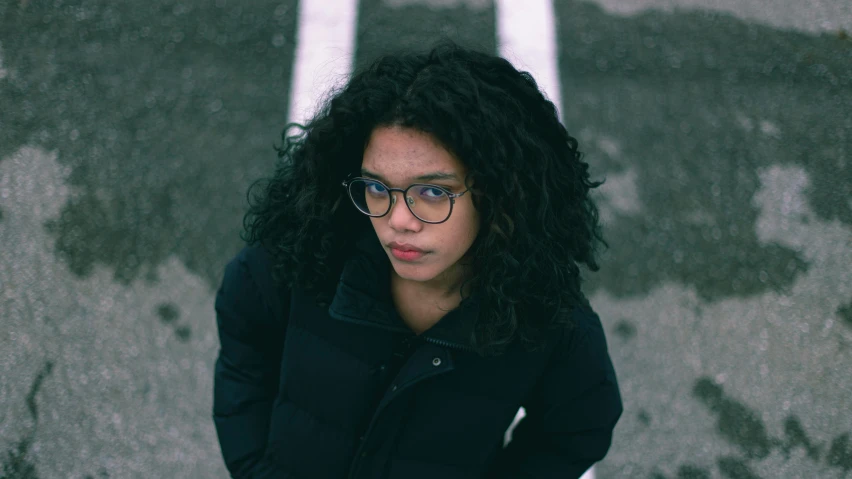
column 379, row 224
column 464, row 230
column 471, row 220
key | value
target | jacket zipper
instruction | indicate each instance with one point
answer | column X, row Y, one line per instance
column 382, row 406
column 447, row 344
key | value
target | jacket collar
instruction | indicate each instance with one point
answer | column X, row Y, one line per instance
column 363, row 296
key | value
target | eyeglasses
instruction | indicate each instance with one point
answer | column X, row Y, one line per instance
column 429, row 203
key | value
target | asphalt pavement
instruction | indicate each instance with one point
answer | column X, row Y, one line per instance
column 130, row 131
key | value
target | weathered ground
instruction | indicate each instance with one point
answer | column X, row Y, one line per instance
column 129, row 133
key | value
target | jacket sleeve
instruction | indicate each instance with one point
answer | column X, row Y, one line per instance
column 251, row 322
column 571, row 414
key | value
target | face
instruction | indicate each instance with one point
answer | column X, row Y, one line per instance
column 398, row 157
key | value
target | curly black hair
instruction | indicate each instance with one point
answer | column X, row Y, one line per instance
column 530, row 186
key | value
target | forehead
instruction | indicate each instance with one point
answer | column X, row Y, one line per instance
column 400, row 154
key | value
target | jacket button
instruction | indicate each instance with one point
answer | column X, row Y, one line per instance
column 436, row 362
column 393, row 388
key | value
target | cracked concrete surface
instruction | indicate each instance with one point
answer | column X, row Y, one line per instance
column 129, row 135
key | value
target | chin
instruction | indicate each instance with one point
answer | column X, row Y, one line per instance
column 412, row 272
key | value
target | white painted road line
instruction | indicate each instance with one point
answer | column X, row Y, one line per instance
column 522, row 413
column 526, row 36
column 325, row 50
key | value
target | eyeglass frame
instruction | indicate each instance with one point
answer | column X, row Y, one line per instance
column 404, row 192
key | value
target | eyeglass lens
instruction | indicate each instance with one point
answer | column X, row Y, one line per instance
column 425, row 202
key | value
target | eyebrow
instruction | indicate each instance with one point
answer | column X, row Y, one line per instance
column 437, row 175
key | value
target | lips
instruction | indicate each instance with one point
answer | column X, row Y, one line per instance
column 405, row 247
column 406, row 252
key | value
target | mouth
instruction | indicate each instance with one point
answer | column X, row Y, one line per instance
column 406, row 252
column 405, row 247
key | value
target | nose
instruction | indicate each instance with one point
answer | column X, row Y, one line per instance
column 400, row 217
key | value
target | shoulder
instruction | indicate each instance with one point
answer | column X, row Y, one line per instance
column 582, row 341
column 248, row 269
column 248, row 281
column 585, row 324
column 580, row 369
column 255, row 260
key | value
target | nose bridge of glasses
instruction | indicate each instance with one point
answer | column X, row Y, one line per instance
column 402, row 191
column 406, row 211
column 406, row 198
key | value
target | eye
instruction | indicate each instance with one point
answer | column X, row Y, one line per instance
column 375, row 188
column 432, row 193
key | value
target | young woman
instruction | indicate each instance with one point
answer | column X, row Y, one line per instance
column 411, row 279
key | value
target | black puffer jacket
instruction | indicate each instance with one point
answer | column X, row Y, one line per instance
column 349, row 391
